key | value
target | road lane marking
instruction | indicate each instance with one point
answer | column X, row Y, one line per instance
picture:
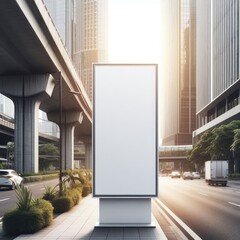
column 235, row 204
column 204, row 194
column 5, row 199
column 179, row 221
column 173, row 225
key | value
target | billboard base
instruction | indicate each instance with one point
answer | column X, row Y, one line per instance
column 125, row 212
column 150, row 225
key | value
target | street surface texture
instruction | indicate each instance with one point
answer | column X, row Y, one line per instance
column 212, row 212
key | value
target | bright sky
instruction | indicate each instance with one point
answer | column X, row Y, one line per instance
column 134, row 31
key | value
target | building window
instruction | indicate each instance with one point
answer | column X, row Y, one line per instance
column 211, row 114
column 233, row 99
column 221, row 107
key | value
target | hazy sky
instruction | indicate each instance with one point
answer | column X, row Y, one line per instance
column 134, row 31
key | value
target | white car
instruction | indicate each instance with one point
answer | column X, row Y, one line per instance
column 196, row 175
column 9, row 178
column 187, row 175
column 175, row 174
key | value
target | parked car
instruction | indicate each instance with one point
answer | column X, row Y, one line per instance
column 187, row 175
column 175, row 174
column 196, row 175
column 9, row 178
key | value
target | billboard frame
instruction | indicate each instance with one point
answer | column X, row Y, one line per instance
column 155, row 66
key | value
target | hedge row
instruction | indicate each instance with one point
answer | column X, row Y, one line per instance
column 32, row 215
column 37, row 217
column 40, row 177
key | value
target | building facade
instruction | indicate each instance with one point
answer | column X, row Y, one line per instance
column 218, row 84
column 93, row 38
column 217, row 73
column 179, row 101
column 6, row 106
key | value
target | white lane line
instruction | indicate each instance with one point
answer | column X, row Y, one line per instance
column 237, row 191
column 204, row 194
column 235, row 204
column 179, row 221
column 173, row 225
column 5, row 199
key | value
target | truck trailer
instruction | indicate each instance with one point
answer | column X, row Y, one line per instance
column 216, row 172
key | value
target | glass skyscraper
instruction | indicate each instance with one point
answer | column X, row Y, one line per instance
column 218, row 84
column 179, row 100
column 93, row 38
column 217, row 74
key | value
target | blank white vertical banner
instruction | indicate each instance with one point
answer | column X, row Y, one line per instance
column 125, row 147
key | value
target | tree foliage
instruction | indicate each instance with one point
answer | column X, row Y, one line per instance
column 236, row 141
column 48, row 155
column 201, row 150
column 48, row 149
column 218, row 143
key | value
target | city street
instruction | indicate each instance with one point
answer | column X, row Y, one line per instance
column 212, row 212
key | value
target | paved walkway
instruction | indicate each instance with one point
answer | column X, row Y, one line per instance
column 79, row 222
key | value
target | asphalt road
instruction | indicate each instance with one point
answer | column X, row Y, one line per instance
column 212, row 212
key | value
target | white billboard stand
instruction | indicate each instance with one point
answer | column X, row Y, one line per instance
column 125, row 147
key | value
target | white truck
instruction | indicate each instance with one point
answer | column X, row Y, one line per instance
column 216, row 172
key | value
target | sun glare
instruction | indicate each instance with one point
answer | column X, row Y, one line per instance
column 134, row 31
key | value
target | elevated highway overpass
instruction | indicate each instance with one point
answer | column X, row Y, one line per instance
column 33, row 64
column 173, row 157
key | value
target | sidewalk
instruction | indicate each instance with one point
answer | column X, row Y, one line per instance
column 78, row 223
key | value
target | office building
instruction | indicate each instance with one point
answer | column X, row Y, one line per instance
column 6, row 106
column 179, row 95
column 93, row 38
column 217, row 73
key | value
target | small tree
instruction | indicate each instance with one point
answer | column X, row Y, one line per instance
column 10, row 151
column 201, row 150
column 48, row 154
column 235, row 147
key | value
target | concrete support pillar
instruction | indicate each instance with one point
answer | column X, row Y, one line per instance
column 87, row 140
column 88, row 155
column 26, row 92
column 26, row 134
column 70, row 121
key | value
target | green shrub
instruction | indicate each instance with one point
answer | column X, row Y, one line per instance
column 49, row 194
column 85, row 190
column 19, row 222
column 90, row 185
column 75, row 194
column 46, row 208
column 35, row 178
column 234, row 175
column 62, row 204
column 29, row 216
column 24, row 197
